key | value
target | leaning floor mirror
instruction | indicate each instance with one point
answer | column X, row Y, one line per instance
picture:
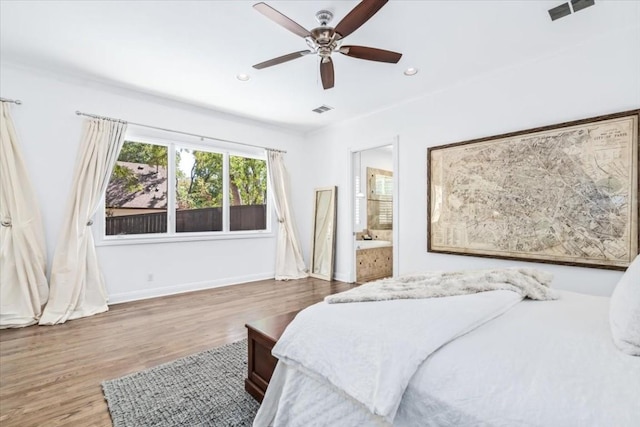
column 324, row 233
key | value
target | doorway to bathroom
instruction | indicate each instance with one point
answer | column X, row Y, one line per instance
column 374, row 200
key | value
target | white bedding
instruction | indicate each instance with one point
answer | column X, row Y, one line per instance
column 369, row 351
column 539, row 364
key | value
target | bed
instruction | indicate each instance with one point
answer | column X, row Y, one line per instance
column 524, row 363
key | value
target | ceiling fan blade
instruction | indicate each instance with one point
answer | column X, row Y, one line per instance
column 326, row 72
column 280, row 19
column 358, row 16
column 281, row 59
column 371, row 54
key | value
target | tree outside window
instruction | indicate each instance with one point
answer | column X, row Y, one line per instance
column 137, row 196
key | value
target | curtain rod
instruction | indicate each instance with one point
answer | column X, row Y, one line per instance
column 13, row 101
column 95, row 116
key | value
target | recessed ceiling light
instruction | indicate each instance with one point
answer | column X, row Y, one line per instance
column 410, row 71
column 243, row 77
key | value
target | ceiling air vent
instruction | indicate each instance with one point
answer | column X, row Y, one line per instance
column 581, row 4
column 566, row 8
column 322, row 109
column 560, row 11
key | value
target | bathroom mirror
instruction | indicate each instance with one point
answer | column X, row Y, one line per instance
column 379, row 184
column 324, row 233
column 379, row 199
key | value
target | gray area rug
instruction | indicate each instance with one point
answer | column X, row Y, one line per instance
column 204, row 389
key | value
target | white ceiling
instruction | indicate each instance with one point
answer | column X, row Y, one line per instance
column 193, row 50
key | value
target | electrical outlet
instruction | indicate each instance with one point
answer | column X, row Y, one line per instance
column 150, row 277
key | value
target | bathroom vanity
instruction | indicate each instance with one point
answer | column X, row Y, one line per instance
column 374, row 260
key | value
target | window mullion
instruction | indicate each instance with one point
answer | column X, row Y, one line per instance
column 171, row 191
column 267, row 198
column 225, row 193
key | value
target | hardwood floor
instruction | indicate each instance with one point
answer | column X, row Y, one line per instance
column 51, row 375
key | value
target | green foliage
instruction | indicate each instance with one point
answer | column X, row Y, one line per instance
column 149, row 154
column 128, row 179
column 247, row 181
column 137, row 152
column 203, row 187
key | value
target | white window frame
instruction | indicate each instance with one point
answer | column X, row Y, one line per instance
column 101, row 239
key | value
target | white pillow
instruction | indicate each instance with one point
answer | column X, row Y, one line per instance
column 624, row 310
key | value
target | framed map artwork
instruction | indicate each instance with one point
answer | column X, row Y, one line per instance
column 565, row 194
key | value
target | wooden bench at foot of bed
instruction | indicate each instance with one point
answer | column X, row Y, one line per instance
column 262, row 335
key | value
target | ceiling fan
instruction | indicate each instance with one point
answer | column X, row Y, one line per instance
column 325, row 40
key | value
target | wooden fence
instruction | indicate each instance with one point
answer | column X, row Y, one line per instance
column 249, row 217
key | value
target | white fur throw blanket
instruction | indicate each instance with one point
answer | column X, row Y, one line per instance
column 528, row 282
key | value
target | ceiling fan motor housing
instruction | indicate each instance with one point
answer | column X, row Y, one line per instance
column 324, row 17
column 323, row 40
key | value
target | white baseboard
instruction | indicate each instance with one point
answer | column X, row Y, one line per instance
column 186, row 287
column 342, row 277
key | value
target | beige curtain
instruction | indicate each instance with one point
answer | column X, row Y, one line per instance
column 23, row 281
column 77, row 286
column 289, row 260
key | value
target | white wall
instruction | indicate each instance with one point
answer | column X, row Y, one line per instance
column 49, row 133
column 379, row 158
column 596, row 77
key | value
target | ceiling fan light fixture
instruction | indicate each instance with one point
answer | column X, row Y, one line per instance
column 411, row 71
column 243, row 77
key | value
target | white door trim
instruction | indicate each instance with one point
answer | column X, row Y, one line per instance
column 395, row 143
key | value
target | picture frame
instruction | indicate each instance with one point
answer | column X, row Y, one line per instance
column 562, row 194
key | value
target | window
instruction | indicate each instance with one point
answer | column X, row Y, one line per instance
column 169, row 190
column 198, row 191
column 247, row 193
column 136, row 197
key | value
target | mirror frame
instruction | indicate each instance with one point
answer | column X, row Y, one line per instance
column 331, row 235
